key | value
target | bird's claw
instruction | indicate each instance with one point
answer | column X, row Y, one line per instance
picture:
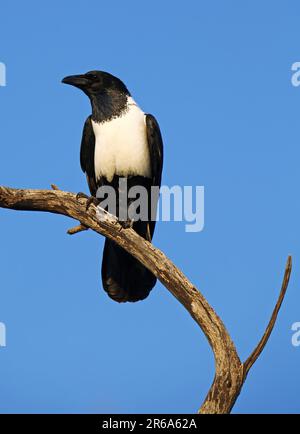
column 89, row 200
column 81, row 195
column 127, row 224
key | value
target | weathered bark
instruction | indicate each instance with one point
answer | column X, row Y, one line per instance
column 230, row 372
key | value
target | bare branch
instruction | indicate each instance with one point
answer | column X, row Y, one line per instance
column 54, row 187
column 77, row 229
column 229, row 376
column 262, row 343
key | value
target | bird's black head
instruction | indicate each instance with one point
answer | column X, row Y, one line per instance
column 94, row 83
column 108, row 94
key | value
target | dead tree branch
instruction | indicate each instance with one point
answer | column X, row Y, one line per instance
column 230, row 372
column 262, row 343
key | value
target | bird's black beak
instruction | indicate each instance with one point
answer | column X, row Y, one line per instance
column 76, row 80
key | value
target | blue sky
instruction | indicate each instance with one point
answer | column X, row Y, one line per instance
column 217, row 75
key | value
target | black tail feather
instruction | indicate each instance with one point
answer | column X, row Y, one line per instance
column 124, row 278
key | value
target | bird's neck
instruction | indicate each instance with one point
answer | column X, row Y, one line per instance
column 108, row 105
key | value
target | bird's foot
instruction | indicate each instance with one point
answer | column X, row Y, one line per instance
column 81, row 195
column 89, row 200
column 54, row 187
column 92, row 200
column 127, row 224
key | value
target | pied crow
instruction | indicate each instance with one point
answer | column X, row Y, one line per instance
column 120, row 141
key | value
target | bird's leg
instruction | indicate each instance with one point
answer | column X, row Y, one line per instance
column 81, row 195
column 126, row 224
column 89, row 199
column 126, row 219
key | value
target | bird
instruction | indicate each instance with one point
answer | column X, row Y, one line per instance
column 120, row 141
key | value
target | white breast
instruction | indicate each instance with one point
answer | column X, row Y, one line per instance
column 121, row 145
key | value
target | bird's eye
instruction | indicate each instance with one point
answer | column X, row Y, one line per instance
column 91, row 76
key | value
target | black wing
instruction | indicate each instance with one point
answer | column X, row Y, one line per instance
column 87, row 152
column 155, row 145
